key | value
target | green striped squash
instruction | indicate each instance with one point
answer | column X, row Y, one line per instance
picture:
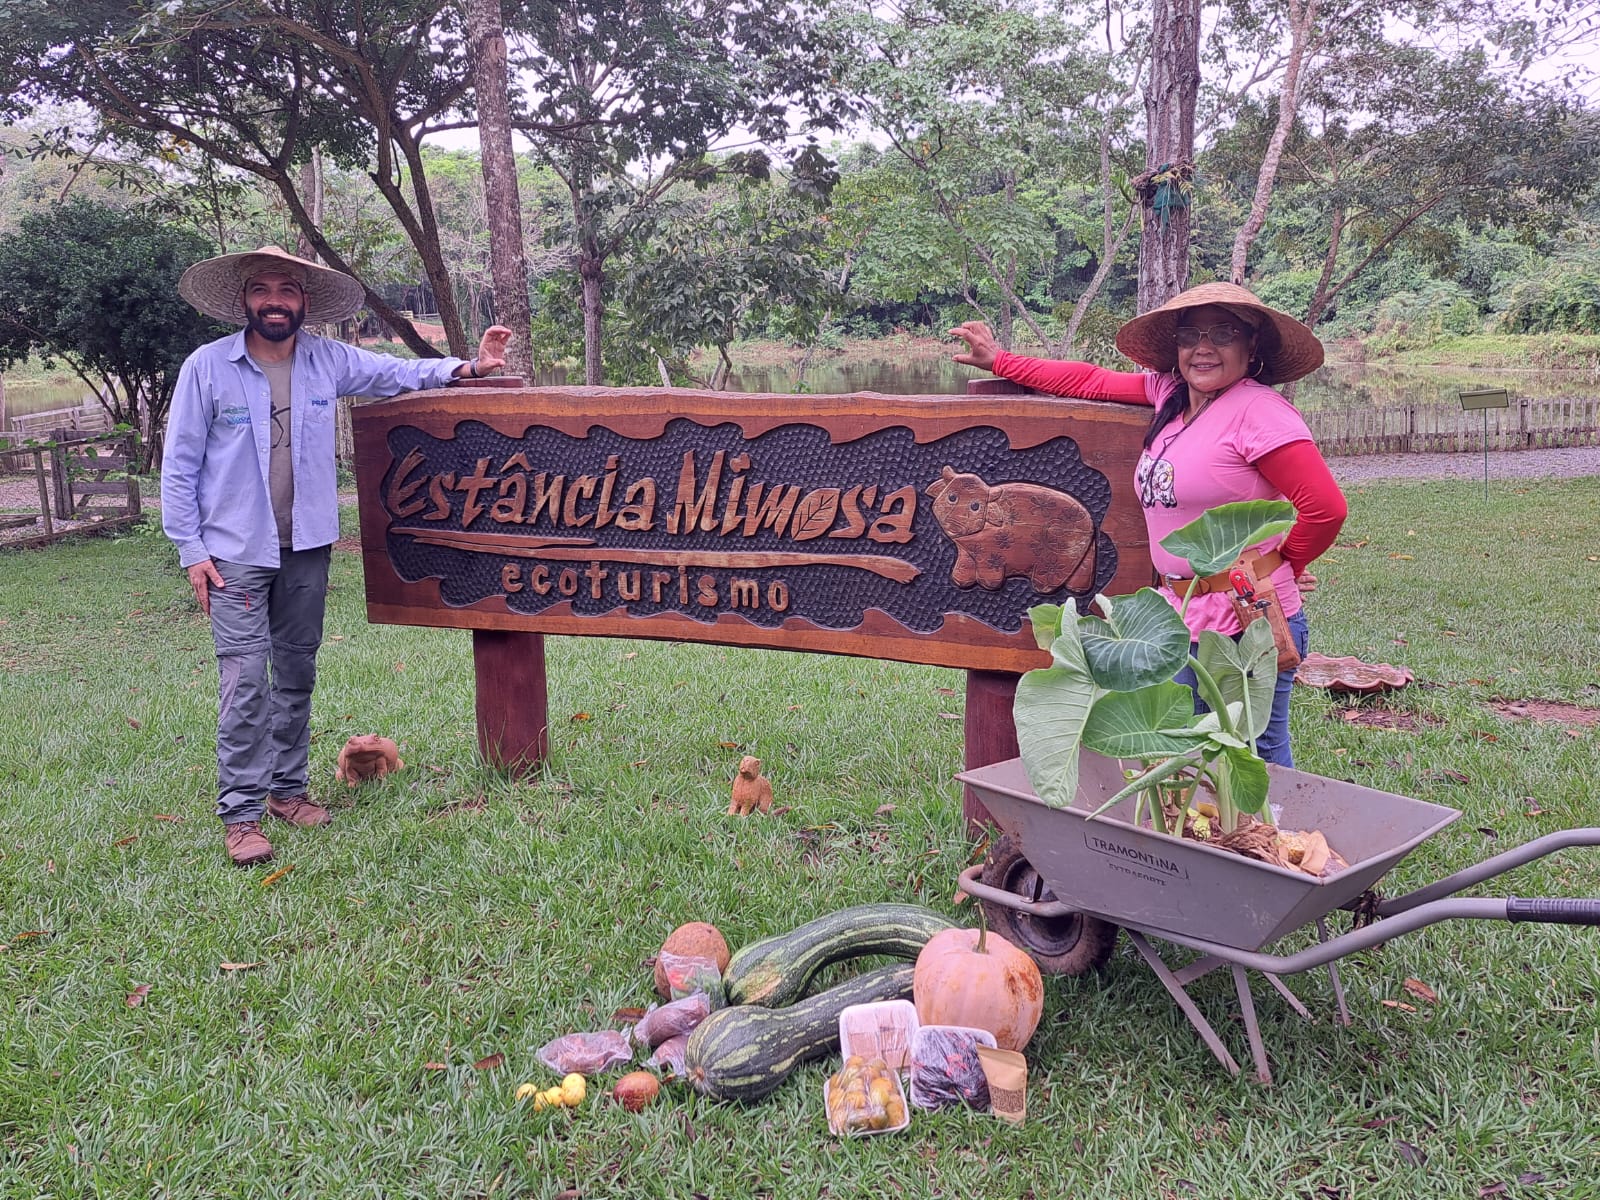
column 744, row 1053
column 777, row 970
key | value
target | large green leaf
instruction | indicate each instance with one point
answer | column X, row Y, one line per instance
column 1247, row 779
column 1248, row 667
column 1144, row 642
column 1051, row 707
column 1152, row 722
column 1219, row 535
column 1046, row 622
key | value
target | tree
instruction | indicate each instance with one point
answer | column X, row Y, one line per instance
column 625, row 100
column 508, row 263
column 748, row 261
column 97, row 288
column 1165, row 187
column 1446, row 139
column 256, row 85
column 984, row 101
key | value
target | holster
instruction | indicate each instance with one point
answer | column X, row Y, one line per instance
column 1265, row 604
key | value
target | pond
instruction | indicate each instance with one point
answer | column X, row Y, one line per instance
column 1334, row 386
column 1337, row 386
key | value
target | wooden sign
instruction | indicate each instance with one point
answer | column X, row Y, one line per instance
column 918, row 528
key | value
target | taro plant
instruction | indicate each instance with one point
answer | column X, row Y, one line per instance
column 1110, row 687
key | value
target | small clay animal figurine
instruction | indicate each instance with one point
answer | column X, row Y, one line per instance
column 367, row 756
column 751, row 789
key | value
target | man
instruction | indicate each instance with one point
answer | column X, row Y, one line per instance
column 248, row 496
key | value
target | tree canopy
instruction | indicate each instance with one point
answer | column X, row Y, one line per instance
column 97, row 288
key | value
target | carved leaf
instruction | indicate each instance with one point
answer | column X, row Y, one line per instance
column 815, row 515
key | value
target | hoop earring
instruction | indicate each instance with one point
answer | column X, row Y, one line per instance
column 1260, row 366
column 1176, row 377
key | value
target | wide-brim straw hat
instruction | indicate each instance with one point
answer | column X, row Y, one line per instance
column 1287, row 349
column 216, row 285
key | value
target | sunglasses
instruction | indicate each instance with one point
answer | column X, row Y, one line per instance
column 1219, row 335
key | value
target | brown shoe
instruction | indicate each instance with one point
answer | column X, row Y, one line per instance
column 298, row 810
column 247, row 845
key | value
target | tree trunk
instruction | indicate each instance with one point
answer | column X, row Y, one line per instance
column 591, row 273
column 1169, row 104
column 508, row 265
column 1302, row 16
column 1110, row 241
column 311, row 190
column 1319, row 300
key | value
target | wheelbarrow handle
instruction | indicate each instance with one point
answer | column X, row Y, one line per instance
column 1553, row 911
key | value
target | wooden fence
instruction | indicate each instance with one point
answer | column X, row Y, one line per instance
column 1525, row 425
column 89, row 417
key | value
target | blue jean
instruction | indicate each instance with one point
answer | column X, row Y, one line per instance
column 1273, row 744
column 267, row 626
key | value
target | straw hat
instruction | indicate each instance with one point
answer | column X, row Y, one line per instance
column 1287, row 349
column 216, row 285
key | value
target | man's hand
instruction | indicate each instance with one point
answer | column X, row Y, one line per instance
column 981, row 346
column 203, row 576
column 492, row 349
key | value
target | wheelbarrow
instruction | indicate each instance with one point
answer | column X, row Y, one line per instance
column 1060, row 882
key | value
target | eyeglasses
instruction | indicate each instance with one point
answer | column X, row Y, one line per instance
column 1219, row 335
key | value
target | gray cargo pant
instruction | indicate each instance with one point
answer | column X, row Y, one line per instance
column 267, row 625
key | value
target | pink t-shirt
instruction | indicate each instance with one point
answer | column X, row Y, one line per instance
column 1185, row 473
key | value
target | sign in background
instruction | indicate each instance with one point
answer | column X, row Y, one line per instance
column 911, row 528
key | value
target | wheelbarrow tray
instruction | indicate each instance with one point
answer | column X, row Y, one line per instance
column 1130, row 876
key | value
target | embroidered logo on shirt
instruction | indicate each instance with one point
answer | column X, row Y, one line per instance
column 235, row 414
column 1154, row 479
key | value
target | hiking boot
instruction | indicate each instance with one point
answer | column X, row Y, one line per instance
column 298, row 810
column 247, row 845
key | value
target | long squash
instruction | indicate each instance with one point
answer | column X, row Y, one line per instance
column 744, row 1053
column 777, row 970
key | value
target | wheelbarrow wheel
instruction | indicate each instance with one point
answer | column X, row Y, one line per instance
column 1074, row 944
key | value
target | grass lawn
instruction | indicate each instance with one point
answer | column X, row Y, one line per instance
column 450, row 915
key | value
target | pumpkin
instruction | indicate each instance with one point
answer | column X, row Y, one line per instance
column 697, row 939
column 978, row 979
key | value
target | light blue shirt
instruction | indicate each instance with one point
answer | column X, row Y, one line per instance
column 214, row 500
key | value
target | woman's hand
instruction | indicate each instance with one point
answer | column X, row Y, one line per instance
column 981, row 346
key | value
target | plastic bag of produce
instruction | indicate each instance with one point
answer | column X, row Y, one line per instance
column 586, row 1053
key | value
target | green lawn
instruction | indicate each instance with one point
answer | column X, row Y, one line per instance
column 450, row 914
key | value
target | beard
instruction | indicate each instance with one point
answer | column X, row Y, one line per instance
column 257, row 321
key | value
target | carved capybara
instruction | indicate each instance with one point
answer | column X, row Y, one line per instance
column 367, row 756
column 1014, row 529
column 751, row 789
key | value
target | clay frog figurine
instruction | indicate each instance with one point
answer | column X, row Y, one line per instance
column 367, row 756
column 751, row 789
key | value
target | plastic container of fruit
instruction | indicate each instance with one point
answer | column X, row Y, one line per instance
column 882, row 1107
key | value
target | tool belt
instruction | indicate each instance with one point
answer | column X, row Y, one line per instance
column 1248, row 586
column 1261, row 566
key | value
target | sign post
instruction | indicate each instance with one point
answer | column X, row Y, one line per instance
column 1483, row 399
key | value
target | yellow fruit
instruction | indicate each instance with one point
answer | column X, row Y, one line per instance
column 540, row 1101
column 526, row 1090
column 551, row 1097
column 573, row 1090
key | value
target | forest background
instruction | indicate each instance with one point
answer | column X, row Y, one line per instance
column 689, row 177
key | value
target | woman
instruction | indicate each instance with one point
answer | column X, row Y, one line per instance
column 1212, row 353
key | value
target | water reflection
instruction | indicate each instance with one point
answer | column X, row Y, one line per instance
column 1335, row 386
